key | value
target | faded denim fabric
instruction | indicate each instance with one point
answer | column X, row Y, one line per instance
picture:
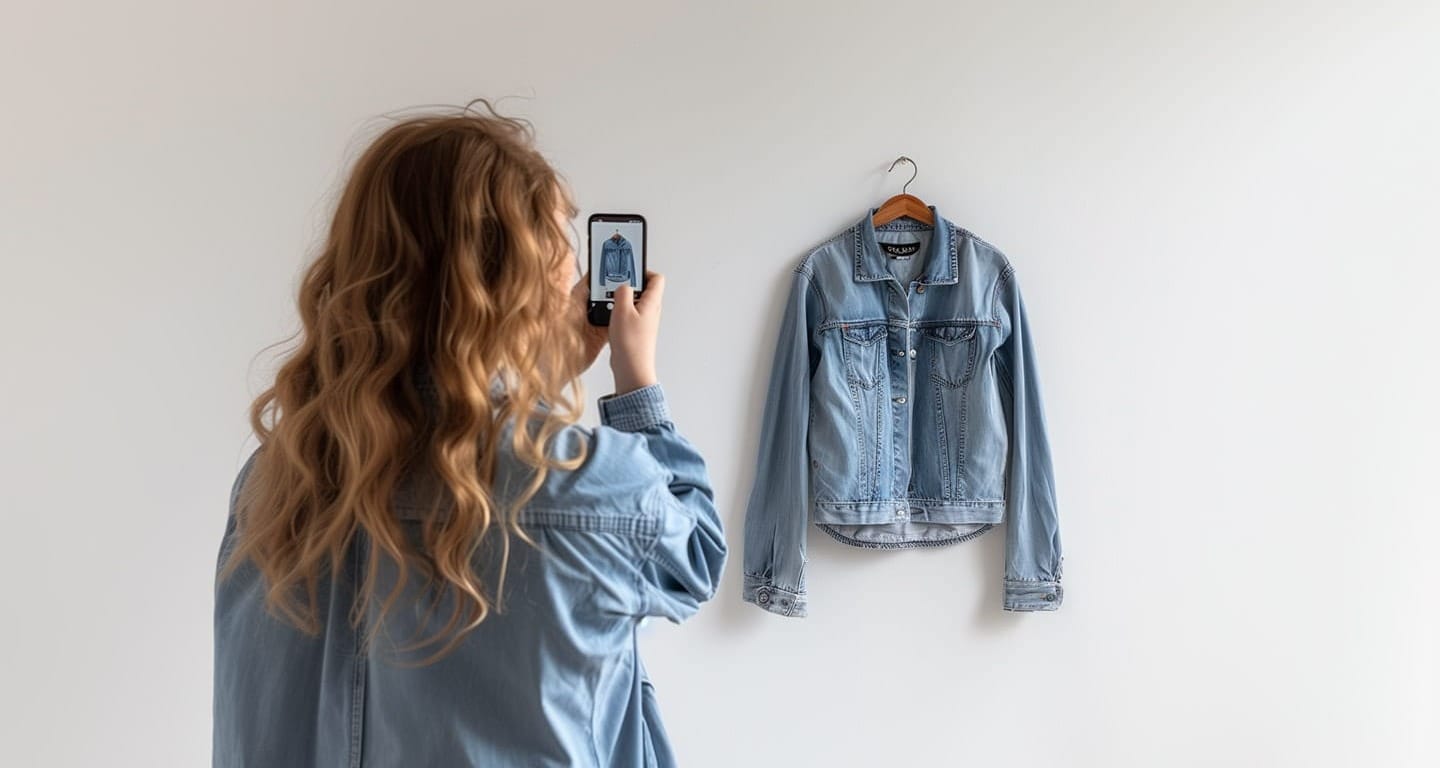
column 903, row 410
column 617, row 260
column 553, row 680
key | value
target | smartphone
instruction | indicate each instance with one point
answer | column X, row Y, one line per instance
column 617, row 256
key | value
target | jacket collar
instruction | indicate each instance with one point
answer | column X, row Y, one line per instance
column 941, row 260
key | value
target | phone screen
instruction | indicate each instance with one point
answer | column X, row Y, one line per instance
column 617, row 255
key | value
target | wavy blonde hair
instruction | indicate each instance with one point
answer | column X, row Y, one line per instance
column 439, row 264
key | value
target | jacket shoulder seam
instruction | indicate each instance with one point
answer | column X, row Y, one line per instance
column 1006, row 273
column 805, row 265
column 805, row 269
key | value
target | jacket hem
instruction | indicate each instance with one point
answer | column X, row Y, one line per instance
column 914, row 510
column 904, row 543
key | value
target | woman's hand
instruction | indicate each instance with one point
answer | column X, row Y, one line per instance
column 634, row 326
column 592, row 337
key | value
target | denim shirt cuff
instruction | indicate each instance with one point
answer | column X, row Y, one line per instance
column 774, row 599
column 1033, row 595
column 635, row 410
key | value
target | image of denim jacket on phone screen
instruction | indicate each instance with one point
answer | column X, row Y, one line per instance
column 617, row 260
column 903, row 410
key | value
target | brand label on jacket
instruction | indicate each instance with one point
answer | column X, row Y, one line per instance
column 900, row 250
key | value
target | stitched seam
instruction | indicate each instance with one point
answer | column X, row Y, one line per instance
column 767, row 584
column 969, row 371
column 357, row 680
column 804, row 264
column 954, row 252
column 974, row 322
column 854, row 388
column 945, row 484
column 964, row 428
column 880, row 431
column 1000, row 280
column 819, row 300
column 652, row 542
column 970, row 502
column 958, row 321
column 1003, row 368
column 569, row 519
column 826, row 527
column 964, row 502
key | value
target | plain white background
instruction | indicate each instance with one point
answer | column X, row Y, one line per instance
column 1222, row 215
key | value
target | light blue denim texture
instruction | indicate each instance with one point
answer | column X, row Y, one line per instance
column 554, row 680
column 903, row 410
column 617, row 260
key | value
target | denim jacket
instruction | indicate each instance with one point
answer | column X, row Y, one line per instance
column 617, row 260
column 554, row 679
column 903, row 410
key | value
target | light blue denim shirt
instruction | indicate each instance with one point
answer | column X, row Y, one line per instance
column 903, row 410
column 617, row 260
column 554, row 680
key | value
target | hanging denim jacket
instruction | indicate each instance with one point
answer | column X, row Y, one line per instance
column 903, row 410
column 617, row 260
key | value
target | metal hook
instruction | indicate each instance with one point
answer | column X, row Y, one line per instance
column 915, row 171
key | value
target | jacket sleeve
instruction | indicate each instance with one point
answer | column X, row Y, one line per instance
column 1033, row 556
column 777, row 513
column 682, row 556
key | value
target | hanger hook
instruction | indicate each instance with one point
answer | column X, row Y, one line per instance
column 914, row 171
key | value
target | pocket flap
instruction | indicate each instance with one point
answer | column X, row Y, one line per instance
column 950, row 334
column 862, row 334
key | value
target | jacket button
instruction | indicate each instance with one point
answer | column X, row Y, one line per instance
column 1050, row 598
column 899, row 352
column 912, row 353
column 763, row 596
column 920, row 288
column 900, row 399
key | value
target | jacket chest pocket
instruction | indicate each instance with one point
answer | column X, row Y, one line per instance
column 864, row 349
column 952, row 353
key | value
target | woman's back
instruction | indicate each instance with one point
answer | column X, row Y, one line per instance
column 552, row 679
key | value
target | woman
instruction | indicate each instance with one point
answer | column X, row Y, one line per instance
column 421, row 483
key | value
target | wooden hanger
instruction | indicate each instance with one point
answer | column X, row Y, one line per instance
column 904, row 204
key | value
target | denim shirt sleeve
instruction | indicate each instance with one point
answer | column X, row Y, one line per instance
column 777, row 513
column 679, row 566
column 1033, row 557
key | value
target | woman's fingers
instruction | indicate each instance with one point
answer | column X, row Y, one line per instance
column 654, row 294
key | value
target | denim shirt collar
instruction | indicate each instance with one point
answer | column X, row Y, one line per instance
column 941, row 260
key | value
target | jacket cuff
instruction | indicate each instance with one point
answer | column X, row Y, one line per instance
column 635, row 410
column 783, row 602
column 1033, row 595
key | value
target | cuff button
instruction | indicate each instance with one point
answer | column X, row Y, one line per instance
column 1050, row 597
column 764, row 596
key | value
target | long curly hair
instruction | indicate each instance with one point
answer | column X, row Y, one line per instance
column 436, row 283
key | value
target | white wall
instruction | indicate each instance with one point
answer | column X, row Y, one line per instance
column 1222, row 215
